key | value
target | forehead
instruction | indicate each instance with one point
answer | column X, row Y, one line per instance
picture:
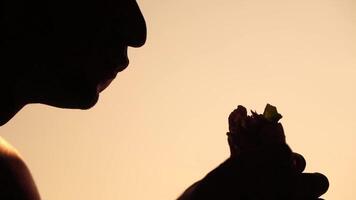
column 35, row 15
column 63, row 7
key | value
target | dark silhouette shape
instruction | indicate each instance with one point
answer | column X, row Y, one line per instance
column 15, row 179
column 261, row 165
column 63, row 53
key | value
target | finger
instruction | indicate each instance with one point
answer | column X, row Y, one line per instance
column 232, row 145
column 299, row 162
column 312, row 185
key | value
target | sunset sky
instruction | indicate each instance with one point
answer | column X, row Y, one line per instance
column 161, row 124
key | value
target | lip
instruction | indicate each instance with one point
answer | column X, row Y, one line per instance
column 103, row 85
column 110, row 75
column 123, row 65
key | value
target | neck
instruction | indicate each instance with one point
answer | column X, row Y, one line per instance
column 9, row 104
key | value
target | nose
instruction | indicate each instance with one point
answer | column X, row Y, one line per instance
column 135, row 31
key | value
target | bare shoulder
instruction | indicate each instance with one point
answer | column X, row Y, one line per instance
column 188, row 193
column 16, row 182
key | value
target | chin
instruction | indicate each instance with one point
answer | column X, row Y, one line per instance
column 84, row 103
column 78, row 100
column 87, row 104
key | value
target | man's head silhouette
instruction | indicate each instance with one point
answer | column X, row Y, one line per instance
column 63, row 52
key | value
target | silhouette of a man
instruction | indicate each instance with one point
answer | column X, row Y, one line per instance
column 61, row 53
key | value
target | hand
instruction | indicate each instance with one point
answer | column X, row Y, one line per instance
column 236, row 179
column 261, row 165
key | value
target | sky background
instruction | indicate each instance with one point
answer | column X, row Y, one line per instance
column 161, row 125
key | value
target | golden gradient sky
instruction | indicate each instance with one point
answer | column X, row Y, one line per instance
column 161, row 125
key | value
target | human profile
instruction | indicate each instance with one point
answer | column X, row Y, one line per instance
column 61, row 53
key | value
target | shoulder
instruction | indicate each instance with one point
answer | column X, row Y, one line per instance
column 16, row 182
column 188, row 193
